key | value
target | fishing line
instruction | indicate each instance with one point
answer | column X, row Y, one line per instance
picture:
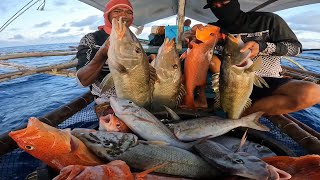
column 20, row 12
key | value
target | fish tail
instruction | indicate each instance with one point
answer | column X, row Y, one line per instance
column 252, row 121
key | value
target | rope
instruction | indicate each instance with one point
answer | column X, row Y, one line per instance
column 20, row 12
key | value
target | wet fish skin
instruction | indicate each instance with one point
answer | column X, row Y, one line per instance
column 56, row 147
column 214, row 126
column 237, row 76
column 250, row 147
column 129, row 65
column 240, row 163
column 124, row 146
column 143, row 123
column 168, row 88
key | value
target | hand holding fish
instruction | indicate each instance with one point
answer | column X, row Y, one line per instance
column 252, row 46
column 104, row 48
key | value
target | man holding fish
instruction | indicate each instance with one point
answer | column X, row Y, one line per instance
column 266, row 36
column 93, row 48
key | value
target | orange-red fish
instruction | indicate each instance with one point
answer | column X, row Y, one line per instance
column 114, row 170
column 300, row 168
column 203, row 33
column 196, row 67
column 112, row 123
column 56, row 147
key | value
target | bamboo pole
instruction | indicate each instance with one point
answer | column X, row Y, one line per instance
column 13, row 75
column 180, row 22
column 37, row 54
column 53, row 118
column 302, row 137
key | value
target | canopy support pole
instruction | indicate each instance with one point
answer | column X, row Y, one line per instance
column 180, row 22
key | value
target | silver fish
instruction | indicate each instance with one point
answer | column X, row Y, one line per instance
column 168, row 87
column 143, row 123
column 124, row 146
column 214, row 126
column 237, row 77
column 132, row 75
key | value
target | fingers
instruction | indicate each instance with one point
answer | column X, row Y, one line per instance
column 253, row 47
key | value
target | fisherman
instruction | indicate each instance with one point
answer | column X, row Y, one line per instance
column 268, row 36
column 93, row 50
column 187, row 23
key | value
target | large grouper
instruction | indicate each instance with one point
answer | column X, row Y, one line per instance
column 132, row 75
column 237, row 77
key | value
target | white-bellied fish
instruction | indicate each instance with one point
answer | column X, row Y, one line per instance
column 214, row 126
column 143, row 123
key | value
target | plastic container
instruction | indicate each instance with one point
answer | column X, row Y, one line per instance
column 172, row 31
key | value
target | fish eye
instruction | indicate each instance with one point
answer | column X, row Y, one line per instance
column 29, row 147
column 118, row 125
column 238, row 161
column 109, row 145
column 138, row 50
column 258, row 146
column 175, row 66
column 130, row 102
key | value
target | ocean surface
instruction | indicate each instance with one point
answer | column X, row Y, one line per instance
column 36, row 95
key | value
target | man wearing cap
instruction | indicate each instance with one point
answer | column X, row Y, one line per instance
column 93, row 50
column 268, row 36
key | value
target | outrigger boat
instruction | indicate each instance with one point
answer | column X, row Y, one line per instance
column 288, row 136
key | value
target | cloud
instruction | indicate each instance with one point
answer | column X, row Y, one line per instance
column 57, row 32
column 89, row 21
column 44, row 24
column 17, row 37
column 59, row 2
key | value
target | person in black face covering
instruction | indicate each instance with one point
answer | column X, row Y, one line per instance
column 267, row 35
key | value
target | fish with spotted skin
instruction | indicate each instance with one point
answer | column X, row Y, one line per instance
column 237, row 77
column 130, row 72
column 168, row 87
column 145, row 155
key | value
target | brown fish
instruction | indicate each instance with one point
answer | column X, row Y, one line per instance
column 112, row 123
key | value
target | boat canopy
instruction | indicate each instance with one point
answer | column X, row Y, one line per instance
column 146, row 11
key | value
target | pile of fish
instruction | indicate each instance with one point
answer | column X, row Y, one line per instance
column 131, row 142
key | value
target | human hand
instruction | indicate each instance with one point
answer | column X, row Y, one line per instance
column 253, row 47
column 104, row 48
column 191, row 34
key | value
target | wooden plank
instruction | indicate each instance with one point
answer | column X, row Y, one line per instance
column 13, row 75
column 37, row 54
column 180, row 22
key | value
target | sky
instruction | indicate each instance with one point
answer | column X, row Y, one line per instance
column 67, row 21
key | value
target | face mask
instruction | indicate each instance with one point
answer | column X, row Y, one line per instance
column 228, row 13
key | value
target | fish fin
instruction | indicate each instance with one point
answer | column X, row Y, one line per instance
column 159, row 143
column 256, row 65
column 237, row 71
column 183, row 55
column 142, row 174
column 243, row 141
column 258, row 80
column 153, row 75
column 181, row 94
column 107, row 83
column 252, row 121
column 247, row 105
column 119, row 67
column 173, row 114
column 215, row 82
